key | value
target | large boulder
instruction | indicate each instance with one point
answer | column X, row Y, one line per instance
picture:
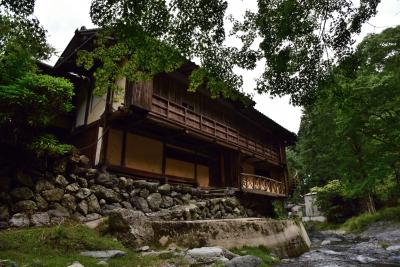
column 55, row 194
column 61, row 181
column 74, row 187
column 69, row 202
column 140, row 203
column 83, row 207
column 19, row 220
column 105, row 193
column 132, row 227
column 167, row 202
column 42, row 185
column 151, row 186
column 93, row 204
column 206, row 255
column 25, row 206
column 40, row 219
column 244, row 261
column 83, row 193
column 154, row 200
column 22, row 193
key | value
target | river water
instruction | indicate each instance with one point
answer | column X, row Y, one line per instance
column 378, row 246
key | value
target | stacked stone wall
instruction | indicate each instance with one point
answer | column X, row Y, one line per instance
column 71, row 190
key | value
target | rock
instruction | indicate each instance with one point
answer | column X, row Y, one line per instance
column 123, row 182
column 4, row 213
column 164, row 189
column 91, row 173
column 103, row 254
column 42, row 185
column 55, row 194
column 72, row 188
column 154, row 200
column 163, row 241
column 82, row 182
column 393, row 248
column 144, row 193
column 83, row 193
column 108, row 208
column 174, row 194
column 24, row 179
column 206, row 255
column 126, row 205
column 167, row 202
column 152, row 187
column 102, row 263
column 60, row 166
column 59, row 212
column 244, row 261
column 92, row 217
column 69, row 202
column 144, row 248
column 364, row 259
column 25, row 205
column 104, row 178
column 186, row 197
column 102, row 192
column 325, row 242
column 61, row 181
column 41, row 202
column 140, row 203
column 22, row 193
column 19, row 220
column 40, row 219
column 119, row 220
column 8, row 263
column 93, row 204
column 102, row 202
column 76, row 264
column 84, row 161
column 83, row 207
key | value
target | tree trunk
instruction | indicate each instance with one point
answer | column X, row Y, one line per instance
column 370, row 204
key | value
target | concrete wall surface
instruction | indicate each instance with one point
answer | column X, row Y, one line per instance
column 287, row 238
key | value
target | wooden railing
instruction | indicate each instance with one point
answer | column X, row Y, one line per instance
column 261, row 184
column 188, row 118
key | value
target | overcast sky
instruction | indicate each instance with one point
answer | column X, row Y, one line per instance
column 62, row 17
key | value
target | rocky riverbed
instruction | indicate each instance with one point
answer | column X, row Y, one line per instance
column 378, row 246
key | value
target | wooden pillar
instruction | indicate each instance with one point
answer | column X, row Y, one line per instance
column 163, row 166
column 222, row 169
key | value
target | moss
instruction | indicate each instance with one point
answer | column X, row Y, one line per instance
column 60, row 246
column 262, row 252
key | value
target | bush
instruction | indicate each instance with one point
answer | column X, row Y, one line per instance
column 361, row 222
column 334, row 203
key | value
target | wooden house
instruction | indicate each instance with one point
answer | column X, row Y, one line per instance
column 159, row 130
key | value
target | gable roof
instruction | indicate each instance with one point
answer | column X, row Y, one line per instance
column 83, row 40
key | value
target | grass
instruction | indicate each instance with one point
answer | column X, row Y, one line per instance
column 361, row 222
column 60, row 246
column 261, row 251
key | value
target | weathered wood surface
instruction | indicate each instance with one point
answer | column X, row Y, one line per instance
column 260, row 184
column 212, row 128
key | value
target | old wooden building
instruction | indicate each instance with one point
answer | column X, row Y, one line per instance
column 159, row 130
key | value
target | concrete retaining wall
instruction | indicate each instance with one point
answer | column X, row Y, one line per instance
column 284, row 237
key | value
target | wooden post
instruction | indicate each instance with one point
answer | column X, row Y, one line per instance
column 164, row 163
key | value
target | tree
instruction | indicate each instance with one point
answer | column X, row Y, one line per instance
column 29, row 100
column 158, row 35
column 352, row 131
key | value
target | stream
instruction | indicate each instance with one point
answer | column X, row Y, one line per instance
column 378, row 246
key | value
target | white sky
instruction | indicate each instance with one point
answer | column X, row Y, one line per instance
column 62, row 17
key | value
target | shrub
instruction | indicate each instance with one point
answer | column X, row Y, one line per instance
column 334, row 203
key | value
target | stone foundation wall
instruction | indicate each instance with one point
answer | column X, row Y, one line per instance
column 70, row 190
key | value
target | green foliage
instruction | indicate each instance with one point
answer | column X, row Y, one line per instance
column 361, row 222
column 49, row 145
column 295, row 36
column 279, row 211
column 334, row 203
column 261, row 251
column 29, row 100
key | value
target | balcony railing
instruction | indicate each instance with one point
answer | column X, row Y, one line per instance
column 261, row 184
column 190, row 119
